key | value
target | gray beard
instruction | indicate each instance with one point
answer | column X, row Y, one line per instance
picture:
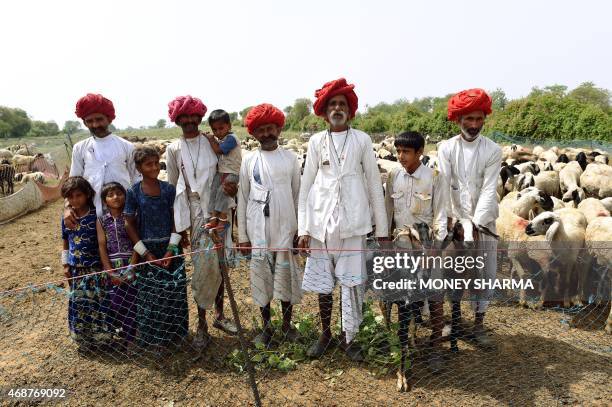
column 337, row 122
column 467, row 136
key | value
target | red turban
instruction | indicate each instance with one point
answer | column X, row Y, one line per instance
column 331, row 89
column 263, row 114
column 93, row 103
column 468, row 101
column 185, row 105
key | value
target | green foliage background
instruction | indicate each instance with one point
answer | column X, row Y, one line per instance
column 549, row 113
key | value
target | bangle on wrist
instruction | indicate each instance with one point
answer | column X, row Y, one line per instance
column 65, row 257
column 140, row 248
column 175, row 238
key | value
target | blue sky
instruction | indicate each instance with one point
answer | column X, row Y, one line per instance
column 233, row 54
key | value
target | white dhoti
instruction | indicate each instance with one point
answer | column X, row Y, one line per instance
column 206, row 277
column 488, row 249
column 342, row 260
column 276, row 275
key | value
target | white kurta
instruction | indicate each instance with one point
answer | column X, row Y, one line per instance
column 473, row 190
column 271, row 177
column 101, row 160
column 340, row 189
column 191, row 211
column 355, row 188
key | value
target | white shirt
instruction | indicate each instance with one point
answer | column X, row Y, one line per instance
column 101, row 160
column 279, row 179
column 416, row 198
column 180, row 167
column 352, row 186
column 473, row 194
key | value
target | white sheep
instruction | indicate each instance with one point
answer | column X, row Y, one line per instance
column 5, row 154
column 32, row 176
column 548, row 181
column 528, row 166
column 523, row 181
column 598, row 236
column 23, row 160
column 549, row 155
column 569, row 181
column 527, row 203
column 592, row 208
column 544, row 165
column 607, row 202
column 564, row 230
column 596, row 180
column 511, row 229
column 537, row 150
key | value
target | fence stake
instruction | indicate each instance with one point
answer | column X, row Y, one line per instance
column 243, row 342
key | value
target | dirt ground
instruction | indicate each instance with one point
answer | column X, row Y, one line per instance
column 539, row 360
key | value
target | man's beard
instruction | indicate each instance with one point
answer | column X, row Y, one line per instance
column 470, row 134
column 189, row 127
column 269, row 143
column 99, row 131
column 336, row 121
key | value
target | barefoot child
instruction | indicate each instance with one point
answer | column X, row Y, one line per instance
column 162, row 317
column 228, row 168
column 88, row 298
column 116, row 253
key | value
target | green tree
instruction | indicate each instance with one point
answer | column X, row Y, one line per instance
column 17, row 122
column 244, row 112
column 71, row 127
column 588, row 93
column 499, row 99
column 161, row 123
column 301, row 109
column 43, row 129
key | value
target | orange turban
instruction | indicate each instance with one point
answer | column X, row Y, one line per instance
column 468, row 101
column 93, row 103
column 262, row 114
column 331, row 89
column 185, row 105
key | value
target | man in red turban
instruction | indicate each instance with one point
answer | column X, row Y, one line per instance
column 186, row 105
column 102, row 158
column 267, row 217
column 339, row 193
column 264, row 113
column 329, row 91
column 469, row 168
column 191, row 163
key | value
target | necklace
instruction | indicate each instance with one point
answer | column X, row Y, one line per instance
column 194, row 164
column 338, row 157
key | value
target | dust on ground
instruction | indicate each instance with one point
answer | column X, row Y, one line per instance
column 539, row 360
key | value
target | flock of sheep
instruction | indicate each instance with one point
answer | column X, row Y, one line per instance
column 555, row 207
column 19, row 164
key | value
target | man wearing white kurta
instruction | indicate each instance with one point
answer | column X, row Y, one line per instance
column 267, row 218
column 470, row 162
column 104, row 157
column 341, row 187
column 191, row 165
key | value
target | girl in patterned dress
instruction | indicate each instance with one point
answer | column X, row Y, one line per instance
column 116, row 254
column 88, row 297
column 162, row 284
